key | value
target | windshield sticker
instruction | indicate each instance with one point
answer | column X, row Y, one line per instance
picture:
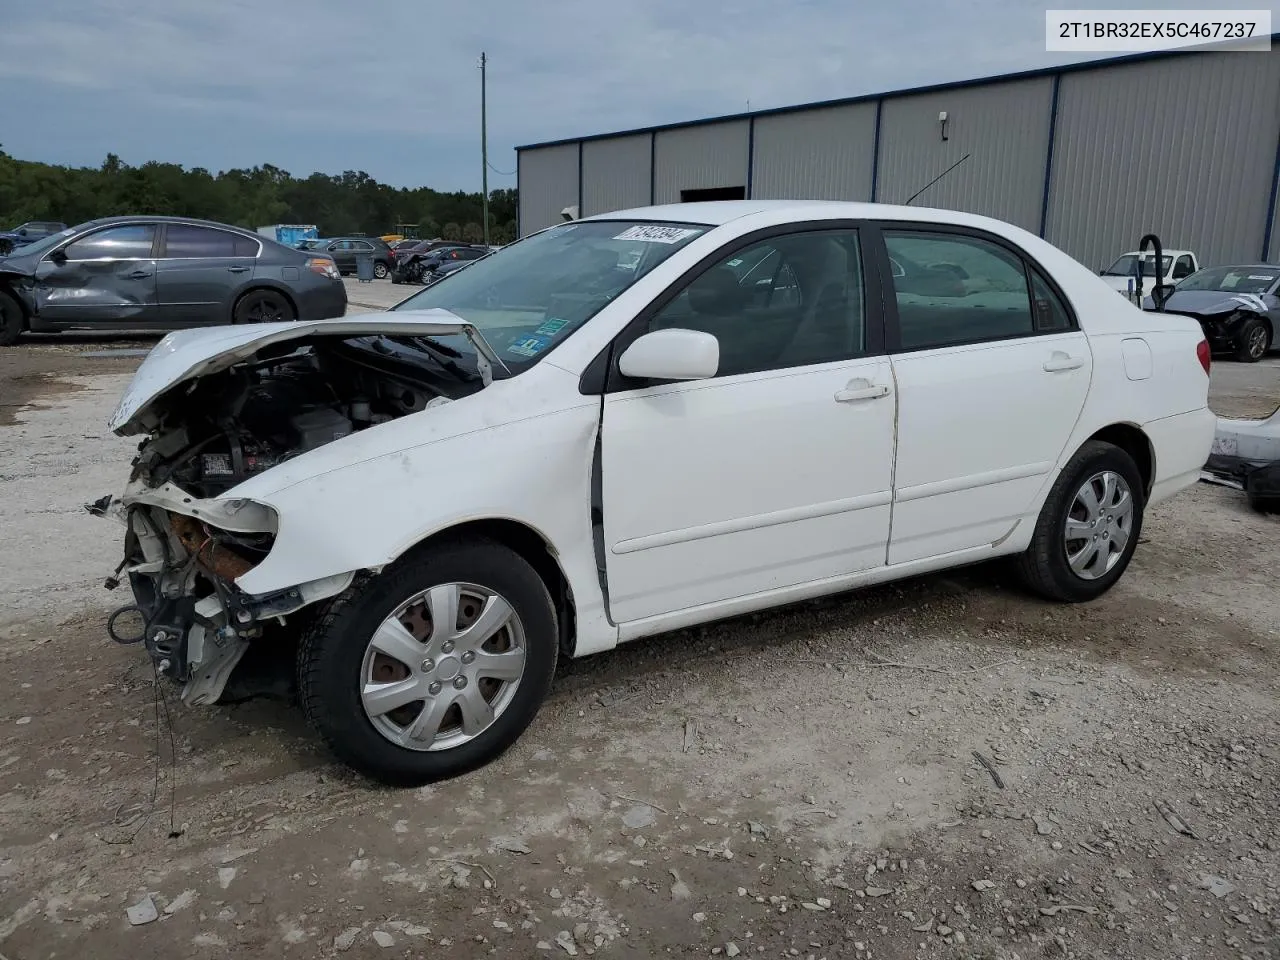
column 529, row 346
column 1230, row 280
column 735, row 262
column 1259, row 276
column 551, row 326
column 656, row 234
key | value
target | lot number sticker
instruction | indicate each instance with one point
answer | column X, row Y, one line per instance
column 656, row 234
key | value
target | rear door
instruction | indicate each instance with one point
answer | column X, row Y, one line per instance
column 992, row 372
column 106, row 276
column 199, row 272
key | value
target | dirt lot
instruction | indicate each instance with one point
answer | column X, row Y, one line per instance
column 800, row 784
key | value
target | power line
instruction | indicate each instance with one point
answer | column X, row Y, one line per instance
column 501, row 173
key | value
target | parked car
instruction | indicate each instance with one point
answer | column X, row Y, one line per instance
column 448, row 267
column 601, row 432
column 134, row 273
column 346, row 252
column 312, row 243
column 1246, row 456
column 1237, row 306
column 1175, row 266
column 405, row 244
column 26, row 233
column 417, row 267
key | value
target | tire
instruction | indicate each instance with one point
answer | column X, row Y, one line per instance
column 264, row 306
column 1045, row 568
column 337, row 661
column 380, row 271
column 1253, row 341
column 12, row 321
column 1268, row 505
column 6, row 247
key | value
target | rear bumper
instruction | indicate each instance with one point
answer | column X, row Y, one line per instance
column 1181, row 445
column 322, row 302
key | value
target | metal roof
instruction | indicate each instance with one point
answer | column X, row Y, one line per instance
column 909, row 91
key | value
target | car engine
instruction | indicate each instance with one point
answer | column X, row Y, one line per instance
column 231, row 426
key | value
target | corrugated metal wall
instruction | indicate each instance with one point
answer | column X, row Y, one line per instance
column 694, row 158
column 834, row 162
column 615, row 174
column 548, row 184
column 1184, row 148
column 1003, row 127
column 1273, row 254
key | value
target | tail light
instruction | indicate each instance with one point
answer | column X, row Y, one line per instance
column 1202, row 354
column 325, row 267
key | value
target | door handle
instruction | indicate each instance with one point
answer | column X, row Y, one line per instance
column 238, row 269
column 861, row 390
column 139, row 274
column 1061, row 361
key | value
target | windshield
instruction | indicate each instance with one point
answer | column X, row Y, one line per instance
column 40, row 246
column 531, row 295
column 1232, row 279
column 1123, row 267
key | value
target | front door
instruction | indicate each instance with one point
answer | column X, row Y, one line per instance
column 199, row 271
column 778, row 470
column 107, row 276
column 992, row 374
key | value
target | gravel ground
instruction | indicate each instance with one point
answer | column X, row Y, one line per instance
column 939, row 768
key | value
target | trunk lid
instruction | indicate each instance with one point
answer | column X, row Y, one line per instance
column 186, row 355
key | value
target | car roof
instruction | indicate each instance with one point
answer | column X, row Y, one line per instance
column 189, row 221
column 715, row 213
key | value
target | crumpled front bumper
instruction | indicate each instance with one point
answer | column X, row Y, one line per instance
column 197, row 622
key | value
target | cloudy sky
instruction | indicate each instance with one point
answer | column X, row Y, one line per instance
column 391, row 87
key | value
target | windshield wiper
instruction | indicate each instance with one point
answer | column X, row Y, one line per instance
column 437, row 346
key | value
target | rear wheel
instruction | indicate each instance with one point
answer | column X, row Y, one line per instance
column 1254, row 340
column 434, row 667
column 1088, row 528
column 264, row 306
column 12, row 322
column 380, row 271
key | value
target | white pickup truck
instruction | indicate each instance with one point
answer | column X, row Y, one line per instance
column 1175, row 265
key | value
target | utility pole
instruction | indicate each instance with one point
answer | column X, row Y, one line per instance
column 484, row 149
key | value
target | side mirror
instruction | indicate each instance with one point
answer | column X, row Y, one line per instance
column 674, row 354
column 58, row 256
column 22, row 232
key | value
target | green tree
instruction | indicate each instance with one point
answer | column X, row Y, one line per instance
column 348, row 203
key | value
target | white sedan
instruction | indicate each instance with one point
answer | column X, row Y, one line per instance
column 626, row 425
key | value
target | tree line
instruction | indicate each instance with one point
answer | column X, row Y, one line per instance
column 347, row 204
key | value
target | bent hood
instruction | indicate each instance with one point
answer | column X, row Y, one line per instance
column 1215, row 303
column 187, row 355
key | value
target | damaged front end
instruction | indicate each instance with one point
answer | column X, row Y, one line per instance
column 1246, row 456
column 214, row 416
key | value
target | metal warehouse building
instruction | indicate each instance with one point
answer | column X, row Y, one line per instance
column 1090, row 156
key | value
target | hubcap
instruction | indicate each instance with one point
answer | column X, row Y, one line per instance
column 1099, row 524
column 443, row 667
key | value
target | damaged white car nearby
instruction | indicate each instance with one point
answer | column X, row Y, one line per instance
column 626, row 425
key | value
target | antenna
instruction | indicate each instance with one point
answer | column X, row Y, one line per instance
column 936, row 179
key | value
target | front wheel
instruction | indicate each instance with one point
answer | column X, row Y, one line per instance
column 11, row 322
column 1088, row 528
column 434, row 667
column 6, row 247
column 264, row 306
column 1254, row 340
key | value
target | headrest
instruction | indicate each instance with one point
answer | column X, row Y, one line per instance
column 717, row 292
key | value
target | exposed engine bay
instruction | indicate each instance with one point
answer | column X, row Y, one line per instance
column 232, row 425
column 213, row 433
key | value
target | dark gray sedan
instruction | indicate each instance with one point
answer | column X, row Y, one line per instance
column 1238, row 307
column 161, row 273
